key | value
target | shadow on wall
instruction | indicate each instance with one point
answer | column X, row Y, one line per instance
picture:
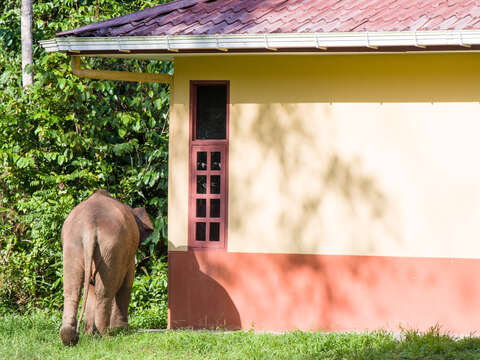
column 296, row 181
column 196, row 300
column 309, row 292
column 281, row 292
column 300, row 178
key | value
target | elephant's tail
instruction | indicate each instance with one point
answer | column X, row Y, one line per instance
column 88, row 249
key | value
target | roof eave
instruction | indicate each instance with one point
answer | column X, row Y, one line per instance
column 463, row 39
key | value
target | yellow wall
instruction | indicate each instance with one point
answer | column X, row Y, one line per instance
column 367, row 154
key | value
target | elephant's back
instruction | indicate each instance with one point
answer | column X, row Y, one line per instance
column 107, row 217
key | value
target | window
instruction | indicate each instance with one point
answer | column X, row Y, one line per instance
column 211, row 113
column 208, row 165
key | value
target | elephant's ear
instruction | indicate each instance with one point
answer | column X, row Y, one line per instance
column 144, row 223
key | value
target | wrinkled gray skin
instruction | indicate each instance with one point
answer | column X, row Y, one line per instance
column 100, row 238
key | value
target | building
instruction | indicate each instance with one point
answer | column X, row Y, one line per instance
column 323, row 159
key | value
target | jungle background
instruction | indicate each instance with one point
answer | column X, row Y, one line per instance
column 65, row 137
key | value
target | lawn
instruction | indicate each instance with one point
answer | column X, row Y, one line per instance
column 36, row 337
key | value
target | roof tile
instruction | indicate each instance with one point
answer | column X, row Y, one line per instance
column 448, row 23
column 182, row 17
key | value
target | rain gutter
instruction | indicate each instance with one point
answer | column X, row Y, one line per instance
column 271, row 42
column 118, row 75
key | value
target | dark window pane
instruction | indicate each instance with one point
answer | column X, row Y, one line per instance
column 214, row 208
column 200, row 228
column 201, row 160
column 201, row 184
column 215, row 158
column 214, row 231
column 201, row 208
column 215, row 184
column 211, row 121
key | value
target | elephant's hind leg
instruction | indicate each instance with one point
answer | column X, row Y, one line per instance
column 105, row 290
column 119, row 319
column 102, row 314
column 72, row 286
column 89, row 327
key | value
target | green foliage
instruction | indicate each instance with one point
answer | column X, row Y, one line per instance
column 149, row 298
column 65, row 137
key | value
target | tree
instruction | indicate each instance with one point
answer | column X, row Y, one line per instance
column 26, row 33
column 66, row 137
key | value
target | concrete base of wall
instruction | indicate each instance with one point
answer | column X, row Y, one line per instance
column 279, row 292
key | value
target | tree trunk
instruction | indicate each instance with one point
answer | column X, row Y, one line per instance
column 26, row 31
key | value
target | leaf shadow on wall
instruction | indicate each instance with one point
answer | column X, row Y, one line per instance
column 293, row 179
column 301, row 210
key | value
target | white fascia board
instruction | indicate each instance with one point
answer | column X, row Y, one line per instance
column 265, row 41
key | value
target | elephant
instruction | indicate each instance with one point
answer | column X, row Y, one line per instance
column 100, row 238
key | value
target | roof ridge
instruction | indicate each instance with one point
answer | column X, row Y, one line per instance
column 139, row 15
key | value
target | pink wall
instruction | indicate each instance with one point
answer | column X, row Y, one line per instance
column 210, row 289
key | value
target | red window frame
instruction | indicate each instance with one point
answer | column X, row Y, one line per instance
column 207, row 146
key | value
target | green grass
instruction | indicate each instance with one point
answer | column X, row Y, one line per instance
column 36, row 337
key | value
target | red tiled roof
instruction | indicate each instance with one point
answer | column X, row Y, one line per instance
column 194, row 17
